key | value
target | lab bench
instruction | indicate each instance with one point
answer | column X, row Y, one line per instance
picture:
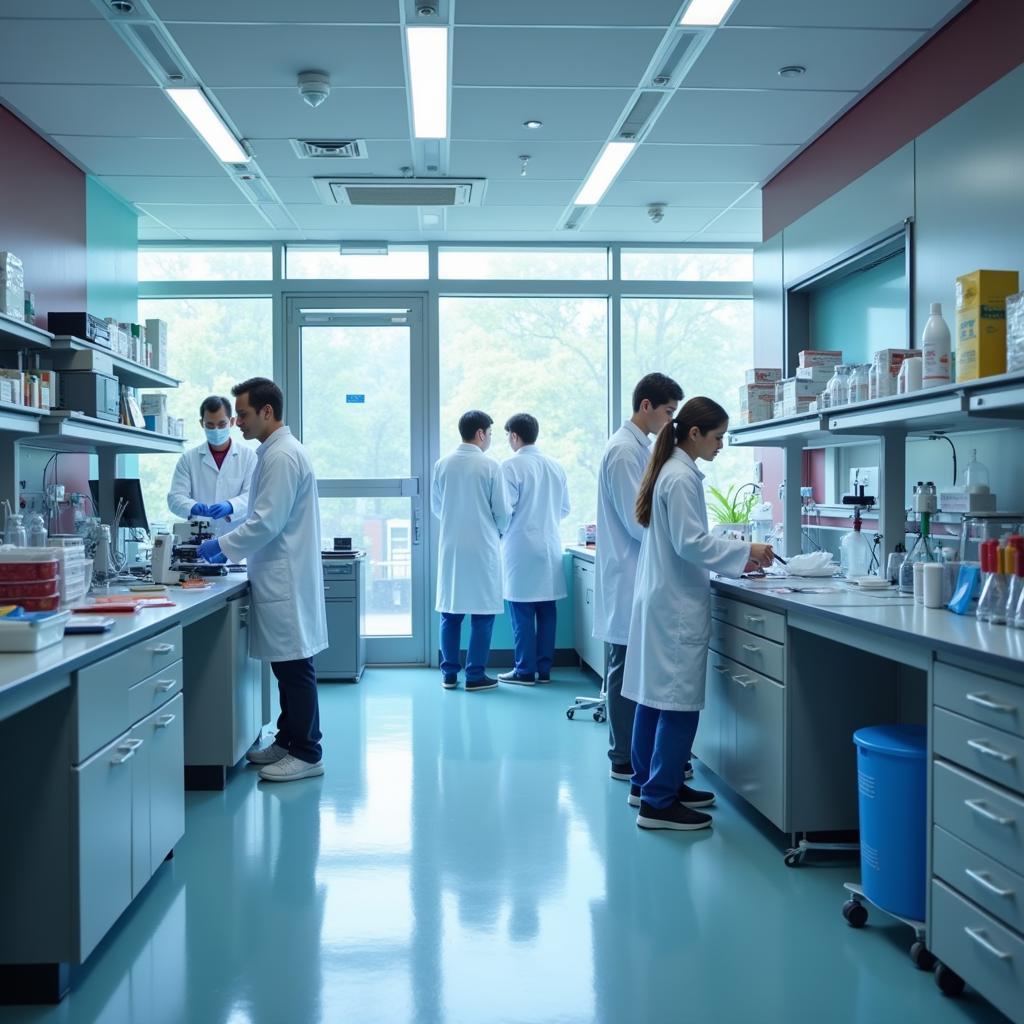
column 792, row 675
column 96, row 739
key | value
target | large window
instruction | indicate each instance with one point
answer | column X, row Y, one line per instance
column 481, row 264
column 545, row 356
column 682, row 265
column 212, row 344
column 704, row 344
column 183, row 264
column 399, row 263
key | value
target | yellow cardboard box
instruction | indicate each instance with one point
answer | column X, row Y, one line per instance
column 981, row 322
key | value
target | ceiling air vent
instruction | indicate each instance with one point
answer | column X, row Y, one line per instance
column 336, row 149
column 574, row 218
column 678, row 60
column 400, row 191
column 639, row 114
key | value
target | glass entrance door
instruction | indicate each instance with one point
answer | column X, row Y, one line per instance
column 356, row 372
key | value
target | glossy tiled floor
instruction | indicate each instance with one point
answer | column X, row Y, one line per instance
column 466, row 858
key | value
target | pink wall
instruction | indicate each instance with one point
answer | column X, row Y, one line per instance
column 983, row 43
column 42, row 217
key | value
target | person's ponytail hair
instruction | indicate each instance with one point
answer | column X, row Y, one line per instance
column 704, row 414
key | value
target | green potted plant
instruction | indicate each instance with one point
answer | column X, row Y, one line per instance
column 730, row 509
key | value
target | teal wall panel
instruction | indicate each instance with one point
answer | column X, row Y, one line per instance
column 111, row 232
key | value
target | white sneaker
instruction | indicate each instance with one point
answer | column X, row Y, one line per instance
column 289, row 768
column 266, row 755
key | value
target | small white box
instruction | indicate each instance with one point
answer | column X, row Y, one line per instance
column 156, row 338
column 12, row 286
column 817, row 374
column 813, row 357
column 763, row 375
column 792, row 390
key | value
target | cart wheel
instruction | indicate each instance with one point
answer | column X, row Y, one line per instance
column 599, row 716
column 856, row 913
column 793, row 859
column 570, row 714
column 922, row 957
column 950, row 983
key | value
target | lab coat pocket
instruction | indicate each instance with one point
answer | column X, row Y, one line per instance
column 271, row 582
column 694, row 622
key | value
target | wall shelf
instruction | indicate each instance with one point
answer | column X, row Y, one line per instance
column 16, row 334
column 17, row 419
column 76, row 432
column 127, row 371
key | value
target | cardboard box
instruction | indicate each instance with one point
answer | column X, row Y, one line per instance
column 887, row 362
column 156, row 338
column 809, row 357
column 763, row 375
column 48, row 382
column 6, row 390
column 797, row 407
column 12, row 286
column 154, row 403
column 981, row 322
column 17, row 379
column 792, row 389
column 1015, row 333
column 159, row 423
column 817, row 374
column 757, row 414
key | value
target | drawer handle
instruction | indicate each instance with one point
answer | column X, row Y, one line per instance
column 744, row 681
column 979, row 937
column 166, row 685
column 979, row 808
column 756, row 619
column 983, row 748
column 327, row 588
column 986, row 883
column 165, row 720
column 724, row 669
column 162, row 648
column 127, row 750
column 752, row 648
column 987, row 702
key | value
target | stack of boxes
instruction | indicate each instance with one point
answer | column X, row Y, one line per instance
column 887, row 363
column 1015, row 333
column 981, row 322
column 12, row 286
column 74, row 572
column 757, row 395
column 798, row 394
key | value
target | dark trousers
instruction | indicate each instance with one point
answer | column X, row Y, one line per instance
column 661, row 748
column 533, row 631
column 620, row 709
column 298, row 727
column 477, row 650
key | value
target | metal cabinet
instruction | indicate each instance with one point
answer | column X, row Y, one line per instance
column 589, row 649
column 345, row 655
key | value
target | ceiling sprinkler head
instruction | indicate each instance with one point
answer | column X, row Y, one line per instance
column 792, row 71
column 122, row 6
column 656, row 211
column 314, row 87
column 425, row 9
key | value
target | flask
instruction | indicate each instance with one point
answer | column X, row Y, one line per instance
column 935, row 345
column 854, row 553
column 975, row 475
column 922, row 551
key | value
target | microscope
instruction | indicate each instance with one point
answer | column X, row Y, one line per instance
column 177, row 554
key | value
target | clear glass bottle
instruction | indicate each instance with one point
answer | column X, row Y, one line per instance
column 854, row 553
column 36, row 530
column 976, row 479
column 839, row 386
column 922, row 551
column 14, row 531
column 858, row 383
column 1014, row 578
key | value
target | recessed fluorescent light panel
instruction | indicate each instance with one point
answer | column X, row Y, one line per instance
column 614, row 156
column 428, row 79
column 207, row 122
column 706, row 12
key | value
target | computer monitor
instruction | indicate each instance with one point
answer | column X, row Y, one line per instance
column 129, row 489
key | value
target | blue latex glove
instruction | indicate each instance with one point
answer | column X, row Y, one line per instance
column 198, row 509
column 209, row 551
column 220, row 510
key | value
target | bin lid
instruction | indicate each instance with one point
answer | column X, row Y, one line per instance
column 895, row 740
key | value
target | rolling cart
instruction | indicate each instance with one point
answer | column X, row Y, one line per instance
column 855, row 912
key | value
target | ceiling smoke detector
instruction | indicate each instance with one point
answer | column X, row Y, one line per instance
column 314, row 87
column 425, row 8
column 792, row 71
column 656, row 211
column 122, row 6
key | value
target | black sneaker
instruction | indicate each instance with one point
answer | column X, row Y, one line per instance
column 688, row 771
column 690, row 797
column 676, row 817
column 543, row 679
column 622, row 772
column 450, row 682
column 634, row 796
column 515, row 677
column 486, row 683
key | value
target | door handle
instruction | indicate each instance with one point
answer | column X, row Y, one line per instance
column 162, row 648
column 987, row 702
column 983, row 748
column 127, row 751
column 979, row 808
column 754, row 619
column 986, row 883
column 166, row 685
column 165, row 720
column 979, row 937
column 417, row 525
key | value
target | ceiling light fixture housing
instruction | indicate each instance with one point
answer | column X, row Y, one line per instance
column 792, row 71
column 314, row 87
column 199, row 112
column 609, row 164
column 706, row 13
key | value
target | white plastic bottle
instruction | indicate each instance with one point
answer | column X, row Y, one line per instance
column 935, row 346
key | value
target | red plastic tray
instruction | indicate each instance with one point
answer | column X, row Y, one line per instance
column 40, row 604
column 28, row 588
column 15, row 571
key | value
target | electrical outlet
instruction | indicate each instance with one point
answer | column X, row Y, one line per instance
column 806, row 492
column 866, row 476
column 759, row 472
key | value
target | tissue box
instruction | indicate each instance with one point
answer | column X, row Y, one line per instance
column 981, row 322
column 12, row 286
column 763, row 375
column 156, row 338
column 813, row 357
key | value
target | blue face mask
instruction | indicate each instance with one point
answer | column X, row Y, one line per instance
column 219, row 435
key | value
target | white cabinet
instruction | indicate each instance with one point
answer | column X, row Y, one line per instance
column 587, row 647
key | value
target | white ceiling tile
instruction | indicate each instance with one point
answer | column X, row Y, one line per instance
column 750, row 58
column 751, row 201
column 705, row 163
column 103, row 156
column 57, row 9
column 237, row 234
column 209, row 217
column 742, row 221
column 263, row 55
column 156, row 234
column 97, row 110
column 150, row 223
column 734, row 237
column 346, row 114
column 274, row 11
column 549, row 161
column 653, row 13
column 919, row 14
column 328, row 218
column 81, row 52
column 732, row 117
column 295, row 190
column 527, row 192
column 568, row 114
column 162, row 189
column 552, row 57
column 615, row 219
column 524, row 218
column 705, row 194
column 276, row 158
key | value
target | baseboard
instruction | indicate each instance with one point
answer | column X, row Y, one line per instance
column 565, row 657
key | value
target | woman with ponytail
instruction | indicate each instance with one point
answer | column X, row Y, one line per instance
column 666, row 660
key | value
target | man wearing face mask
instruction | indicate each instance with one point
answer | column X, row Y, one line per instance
column 212, row 480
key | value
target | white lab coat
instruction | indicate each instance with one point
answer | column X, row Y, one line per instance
column 666, row 660
column 196, row 478
column 618, row 533
column 468, row 496
column 531, row 547
column 280, row 539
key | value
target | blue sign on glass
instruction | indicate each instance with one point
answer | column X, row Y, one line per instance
column 355, row 399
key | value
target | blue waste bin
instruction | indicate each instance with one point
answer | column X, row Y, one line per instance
column 892, row 783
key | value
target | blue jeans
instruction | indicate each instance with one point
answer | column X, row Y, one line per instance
column 661, row 748
column 533, row 630
column 477, row 651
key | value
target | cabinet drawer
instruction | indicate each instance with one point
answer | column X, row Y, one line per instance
column 983, row 952
column 749, row 650
column 997, row 755
column 747, row 616
column 159, row 688
column 335, row 589
column 988, row 818
column 983, row 698
column 995, row 888
column 102, row 706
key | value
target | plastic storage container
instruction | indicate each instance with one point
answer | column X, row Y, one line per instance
column 12, row 591
column 31, row 632
column 892, row 783
column 27, row 564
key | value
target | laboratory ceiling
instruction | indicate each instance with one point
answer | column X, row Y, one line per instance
column 721, row 118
